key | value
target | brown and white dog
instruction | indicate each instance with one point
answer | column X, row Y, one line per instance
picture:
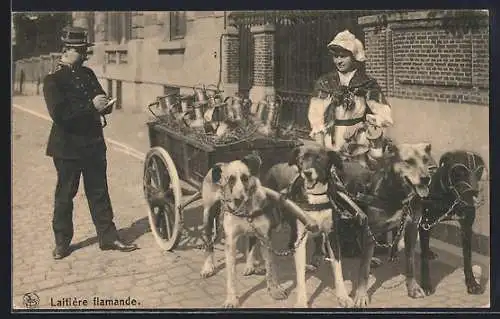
column 309, row 186
column 234, row 190
column 404, row 179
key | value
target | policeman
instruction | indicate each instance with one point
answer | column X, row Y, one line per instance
column 76, row 103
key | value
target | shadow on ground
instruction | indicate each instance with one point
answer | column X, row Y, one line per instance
column 128, row 234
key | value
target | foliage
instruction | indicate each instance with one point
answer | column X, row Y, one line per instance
column 38, row 32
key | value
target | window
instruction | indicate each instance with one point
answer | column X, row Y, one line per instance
column 111, row 57
column 119, row 27
column 116, row 57
column 177, row 25
column 122, row 57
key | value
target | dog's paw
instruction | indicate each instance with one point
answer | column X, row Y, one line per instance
column 311, row 268
column 375, row 262
column 345, row 301
column 474, row 288
column 254, row 270
column 414, row 290
column 361, row 299
column 428, row 289
column 208, row 270
column 231, row 303
column 277, row 292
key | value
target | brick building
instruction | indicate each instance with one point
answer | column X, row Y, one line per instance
column 434, row 67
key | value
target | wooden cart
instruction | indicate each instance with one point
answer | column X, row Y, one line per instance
column 174, row 157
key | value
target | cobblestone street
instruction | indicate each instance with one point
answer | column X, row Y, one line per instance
column 155, row 278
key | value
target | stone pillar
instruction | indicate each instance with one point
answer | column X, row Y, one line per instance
column 263, row 79
column 138, row 25
column 100, row 25
column 230, row 61
column 80, row 19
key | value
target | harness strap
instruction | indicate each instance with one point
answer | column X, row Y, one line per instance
column 349, row 122
column 371, row 200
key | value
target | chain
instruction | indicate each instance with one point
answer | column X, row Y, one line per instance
column 427, row 226
column 238, row 212
column 406, row 212
column 213, row 239
column 266, row 242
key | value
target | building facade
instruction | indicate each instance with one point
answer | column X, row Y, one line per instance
column 141, row 55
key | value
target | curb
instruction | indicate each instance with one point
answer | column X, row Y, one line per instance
column 449, row 232
column 452, row 255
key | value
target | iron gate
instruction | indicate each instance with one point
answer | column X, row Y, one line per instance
column 302, row 57
column 300, row 53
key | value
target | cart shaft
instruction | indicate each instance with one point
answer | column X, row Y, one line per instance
column 191, row 199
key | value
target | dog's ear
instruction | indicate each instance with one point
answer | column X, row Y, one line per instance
column 253, row 162
column 335, row 160
column 216, row 173
column 428, row 148
column 294, row 155
column 392, row 149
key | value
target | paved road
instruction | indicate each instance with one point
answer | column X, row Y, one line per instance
column 157, row 279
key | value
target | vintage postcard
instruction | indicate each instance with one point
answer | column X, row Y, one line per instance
column 250, row 159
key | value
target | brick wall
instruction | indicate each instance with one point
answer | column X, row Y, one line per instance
column 417, row 56
column 437, row 83
column 231, row 57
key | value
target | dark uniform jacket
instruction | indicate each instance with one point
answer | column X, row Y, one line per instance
column 76, row 130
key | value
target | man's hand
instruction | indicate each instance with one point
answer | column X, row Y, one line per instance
column 100, row 102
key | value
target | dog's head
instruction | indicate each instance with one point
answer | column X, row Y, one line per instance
column 315, row 164
column 462, row 171
column 239, row 179
column 414, row 164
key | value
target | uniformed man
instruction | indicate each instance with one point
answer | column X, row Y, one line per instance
column 76, row 102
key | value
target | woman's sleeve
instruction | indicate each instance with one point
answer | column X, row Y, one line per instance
column 376, row 101
column 318, row 105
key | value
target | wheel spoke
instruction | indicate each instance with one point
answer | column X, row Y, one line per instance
column 157, row 173
column 161, row 186
column 168, row 225
column 160, row 223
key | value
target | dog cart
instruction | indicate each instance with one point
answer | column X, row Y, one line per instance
column 191, row 133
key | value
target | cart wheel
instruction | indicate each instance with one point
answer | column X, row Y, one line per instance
column 162, row 191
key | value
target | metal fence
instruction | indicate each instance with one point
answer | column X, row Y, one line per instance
column 300, row 52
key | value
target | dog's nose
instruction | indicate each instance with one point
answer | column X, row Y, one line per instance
column 308, row 174
column 425, row 180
